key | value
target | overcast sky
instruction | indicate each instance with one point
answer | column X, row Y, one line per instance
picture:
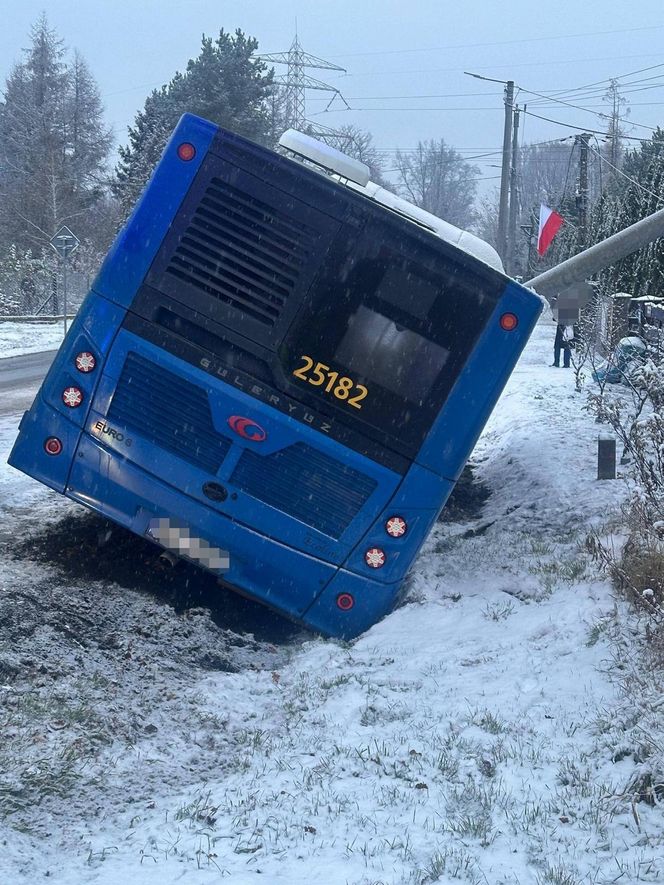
column 404, row 60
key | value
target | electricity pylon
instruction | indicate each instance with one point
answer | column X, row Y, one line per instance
column 296, row 82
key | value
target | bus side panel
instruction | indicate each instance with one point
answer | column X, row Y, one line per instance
column 138, row 242
column 370, row 602
column 93, row 330
column 96, row 325
column 477, row 390
column 28, row 453
column 418, row 501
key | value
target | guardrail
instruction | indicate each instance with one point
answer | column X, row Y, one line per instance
column 36, row 319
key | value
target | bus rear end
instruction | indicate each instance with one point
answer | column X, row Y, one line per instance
column 276, row 378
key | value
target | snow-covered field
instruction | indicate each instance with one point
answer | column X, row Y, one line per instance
column 18, row 338
column 485, row 732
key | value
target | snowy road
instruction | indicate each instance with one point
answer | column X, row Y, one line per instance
column 19, row 378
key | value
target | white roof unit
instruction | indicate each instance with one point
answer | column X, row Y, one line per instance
column 323, row 155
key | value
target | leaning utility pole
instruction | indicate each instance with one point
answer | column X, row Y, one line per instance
column 579, row 267
column 296, row 81
column 514, row 197
column 505, row 172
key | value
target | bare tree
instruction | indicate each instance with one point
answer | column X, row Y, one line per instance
column 437, row 178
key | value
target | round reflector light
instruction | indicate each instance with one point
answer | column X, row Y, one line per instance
column 72, row 397
column 186, row 151
column 375, row 557
column 52, row 446
column 396, row 526
column 345, row 602
column 509, row 322
column 85, row 361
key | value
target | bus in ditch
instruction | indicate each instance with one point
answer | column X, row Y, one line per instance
column 279, row 374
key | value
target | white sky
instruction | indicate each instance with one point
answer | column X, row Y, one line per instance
column 391, row 48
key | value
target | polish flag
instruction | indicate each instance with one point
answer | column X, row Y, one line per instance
column 549, row 225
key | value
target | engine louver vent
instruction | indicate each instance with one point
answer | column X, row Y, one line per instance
column 168, row 411
column 306, row 484
column 242, row 251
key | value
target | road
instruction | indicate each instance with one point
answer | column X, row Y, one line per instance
column 19, row 378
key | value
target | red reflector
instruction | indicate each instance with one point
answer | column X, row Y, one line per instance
column 345, row 602
column 375, row 557
column 186, row 151
column 396, row 526
column 52, row 446
column 509, row 322
column 72, row 397
column 85, row 361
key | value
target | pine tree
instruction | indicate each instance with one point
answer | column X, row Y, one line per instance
column 224, row 84
column 53, row 145
column 630, row 197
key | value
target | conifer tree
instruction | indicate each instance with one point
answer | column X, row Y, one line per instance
column 224, row 84
column 53, row 145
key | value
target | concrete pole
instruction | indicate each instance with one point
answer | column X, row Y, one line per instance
column 582, row 266
column 505, row 172
column 514, row 197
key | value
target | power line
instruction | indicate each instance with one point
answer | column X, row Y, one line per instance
column 580, row 108
column 581, row 128
column 510, row 66
column 498, row 42
column 633, row 181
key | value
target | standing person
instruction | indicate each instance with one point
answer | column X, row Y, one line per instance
column 564, row 336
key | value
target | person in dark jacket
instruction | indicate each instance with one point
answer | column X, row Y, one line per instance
column 564, row 336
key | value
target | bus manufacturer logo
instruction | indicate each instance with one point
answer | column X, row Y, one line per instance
column 246, row 428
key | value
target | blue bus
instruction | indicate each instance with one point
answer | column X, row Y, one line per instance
column 279, row 374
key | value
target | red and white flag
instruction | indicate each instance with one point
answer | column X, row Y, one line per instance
column 549, row 225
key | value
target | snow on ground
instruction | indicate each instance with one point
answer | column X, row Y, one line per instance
column 18, row 338
column 481, row 733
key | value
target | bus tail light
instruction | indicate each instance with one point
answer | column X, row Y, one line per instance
column 375, row 557
column 345, row 602
column 396, row 527
column 52, row 446
column 509, row 322
column 186, row 151
column 85, row 362
column 72, row 397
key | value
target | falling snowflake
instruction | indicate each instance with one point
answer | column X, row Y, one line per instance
column 85, row 362
column 374, row 558
column 72, row 397
column 396, row 526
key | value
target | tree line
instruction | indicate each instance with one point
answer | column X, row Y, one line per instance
column 57, row 163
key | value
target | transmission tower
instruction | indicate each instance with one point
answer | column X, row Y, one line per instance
column 295, row 83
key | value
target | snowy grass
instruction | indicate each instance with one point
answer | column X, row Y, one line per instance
column 501, row 728
column 19, row 338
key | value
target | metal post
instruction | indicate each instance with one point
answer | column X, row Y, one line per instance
column 64, row 287
column 606, row 457
column 505, row 172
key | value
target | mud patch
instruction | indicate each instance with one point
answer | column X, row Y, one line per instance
column 467, row 499
column 84, row 547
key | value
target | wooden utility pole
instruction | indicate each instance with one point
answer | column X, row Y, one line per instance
column 505, row 172
column 514, row 197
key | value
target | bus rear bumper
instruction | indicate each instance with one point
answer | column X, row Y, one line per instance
column 281, row 577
